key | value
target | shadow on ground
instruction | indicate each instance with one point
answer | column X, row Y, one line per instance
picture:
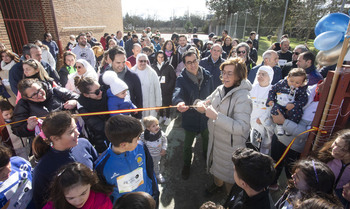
column 187, row 194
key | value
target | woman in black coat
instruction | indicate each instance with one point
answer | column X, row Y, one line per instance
column 93, row 99
column 38, row 100
column 167, row 79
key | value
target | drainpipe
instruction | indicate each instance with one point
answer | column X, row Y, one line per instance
column 59, row 43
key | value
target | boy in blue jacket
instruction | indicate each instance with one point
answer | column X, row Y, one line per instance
column 126, row 164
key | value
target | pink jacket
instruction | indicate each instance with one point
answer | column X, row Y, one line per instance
column 95, row 201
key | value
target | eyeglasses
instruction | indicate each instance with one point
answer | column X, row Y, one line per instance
column 191, row 63
column 229, row 74
column 240, row 52
column 97, row 92
column 35, row 95
column 296, row 53
column 143, row 61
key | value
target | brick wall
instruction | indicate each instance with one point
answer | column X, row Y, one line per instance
column 3, row 33
column 74, row 17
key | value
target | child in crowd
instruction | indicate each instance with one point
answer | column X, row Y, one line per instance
column 289, row 96
column 15, row 181
column 77, row 186
column 253, row 172
column 118, row 96
column 126, row 164
column 261, row 133
column 21, row 145
column 155, row 140
column 311, row 178
column 57, row 145
column 135, row 200
column 336, row 153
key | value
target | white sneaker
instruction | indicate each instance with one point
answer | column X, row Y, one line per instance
column 160, row 179
column 287, row 133
column 161, row 119
column 167, row 121
column 280, row 130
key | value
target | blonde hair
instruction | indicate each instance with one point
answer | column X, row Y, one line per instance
column 43, row 75
column 149, row 120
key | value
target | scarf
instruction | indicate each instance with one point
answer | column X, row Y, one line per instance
column 94, row 105
column 168, row 53
column 121, row 75
column 197, row 79
column 151, row 136
column 228, row 89
column 7, row 66
column 182, row 49
column 160, row 65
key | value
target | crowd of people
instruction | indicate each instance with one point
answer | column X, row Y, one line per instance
column 113, row 160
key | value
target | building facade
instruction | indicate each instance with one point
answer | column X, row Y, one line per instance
column 24, row 21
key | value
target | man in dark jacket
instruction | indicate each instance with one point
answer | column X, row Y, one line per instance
column 306, row 61
column 51, row 44
column 212, row 64
column 130, row 43
column 16, row 73
column 293, row 64
column 118, row 57
column 270, row 58
column 193, row 83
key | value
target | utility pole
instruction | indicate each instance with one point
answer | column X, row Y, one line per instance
column 245, row 23
column 284, row 19
column 235, row 33
column 257, row 28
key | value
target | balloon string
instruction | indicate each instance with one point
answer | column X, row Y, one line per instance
column 291, row 143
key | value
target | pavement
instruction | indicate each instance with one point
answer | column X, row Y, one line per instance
column 188, row 194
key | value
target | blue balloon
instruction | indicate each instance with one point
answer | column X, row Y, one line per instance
column 332, row 22
column 328, row 40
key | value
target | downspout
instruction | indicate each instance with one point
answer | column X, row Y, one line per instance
column 59, row 43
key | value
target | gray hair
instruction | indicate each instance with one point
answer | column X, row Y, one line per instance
column 267, row 54
column 302, row 47
column 216, row 45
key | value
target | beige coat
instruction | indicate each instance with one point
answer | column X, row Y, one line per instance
column 230, row 130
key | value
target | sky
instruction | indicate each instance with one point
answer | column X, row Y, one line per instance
column 163, row 9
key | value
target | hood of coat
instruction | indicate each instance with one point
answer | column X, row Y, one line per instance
column 245, row 85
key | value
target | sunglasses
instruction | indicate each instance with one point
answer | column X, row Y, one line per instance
column 143, row 61
column 35, row 95
column 240, row 52
column 97, row 92
column 296, row 53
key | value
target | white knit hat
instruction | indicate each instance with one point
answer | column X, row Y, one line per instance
column 267, row 69
column 117, row 85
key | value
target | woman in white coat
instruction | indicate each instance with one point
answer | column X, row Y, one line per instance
column 84, row 69
column 151, row 92
column 228, row 109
